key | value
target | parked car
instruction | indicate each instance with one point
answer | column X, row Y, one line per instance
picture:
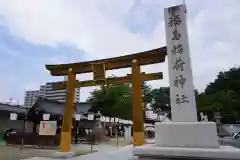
column 8, row 132
column 21, row 137
column 235, row 136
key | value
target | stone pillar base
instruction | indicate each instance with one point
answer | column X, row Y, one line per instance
column 186, row 134
column 152, row 152
column 63, row 155
column 186, row 140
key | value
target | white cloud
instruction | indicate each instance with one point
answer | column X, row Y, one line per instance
column 96, row 27
column 86, row 25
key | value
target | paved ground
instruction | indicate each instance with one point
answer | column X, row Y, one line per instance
column 14, row 152
column 122, row 153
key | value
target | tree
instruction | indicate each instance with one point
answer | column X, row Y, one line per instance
column 222, row 95
column 161, row 99
column 116, row 100
column 146, row 93
column 112, row 100
column 228, row 80
column 123, row 107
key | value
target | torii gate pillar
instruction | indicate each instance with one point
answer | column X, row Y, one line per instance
column 66, row 132
column 137, row 107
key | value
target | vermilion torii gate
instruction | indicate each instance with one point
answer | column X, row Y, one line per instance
column 99, row 68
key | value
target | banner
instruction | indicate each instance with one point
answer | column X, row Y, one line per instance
column 48, row 128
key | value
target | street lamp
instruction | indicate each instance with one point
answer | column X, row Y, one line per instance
column 149, row 114
column 111, row 126
column 90, row 118
column 116, row 128
column 13, row 117
column 131, row 122
column 77, row 119
column 102, row 119
column 112, row 120
column 24, row 128
column 98, row 116
column 107, row 119
column 120, row 121
column 116, row 120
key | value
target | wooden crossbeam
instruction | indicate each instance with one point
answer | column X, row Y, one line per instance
column 144, row 58
column 112, row 80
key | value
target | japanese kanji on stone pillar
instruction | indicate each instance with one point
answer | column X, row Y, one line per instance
column 183, row 105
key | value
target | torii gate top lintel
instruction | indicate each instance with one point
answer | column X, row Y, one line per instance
column 144, row 58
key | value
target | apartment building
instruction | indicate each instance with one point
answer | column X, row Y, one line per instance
column 58, row 95
column 46, row 91
column 30, row 97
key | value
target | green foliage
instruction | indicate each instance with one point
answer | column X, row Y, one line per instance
column 222, row 95
column 161, row 99
column 123, row 107
column 116, row 100
column 112, row 100
column 146, row 94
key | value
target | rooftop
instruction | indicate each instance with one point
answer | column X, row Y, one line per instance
column 12, row 108
column 56, row 107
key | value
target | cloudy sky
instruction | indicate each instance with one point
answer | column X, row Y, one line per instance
column 38, row 32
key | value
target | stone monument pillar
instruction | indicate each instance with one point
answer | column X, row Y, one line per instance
column 127, row 134
column 184, row 137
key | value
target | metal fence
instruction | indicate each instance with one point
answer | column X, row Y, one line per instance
column 229, row 142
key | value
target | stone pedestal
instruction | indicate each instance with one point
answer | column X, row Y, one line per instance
column 186, row 134
column 127, row 134
column 186, row 140
column 153, row 152
column 63, row 155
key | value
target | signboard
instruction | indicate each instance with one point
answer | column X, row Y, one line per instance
column 48, row 128
column 98, row 71
column 183, row 105
column 13, row 116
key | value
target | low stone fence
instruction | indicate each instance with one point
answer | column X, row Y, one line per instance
column 32, row 139
column 229, row 142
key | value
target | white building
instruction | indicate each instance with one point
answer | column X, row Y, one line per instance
column 42, row 91
column 46, row 91
column 30, row 97
column 59, row 95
